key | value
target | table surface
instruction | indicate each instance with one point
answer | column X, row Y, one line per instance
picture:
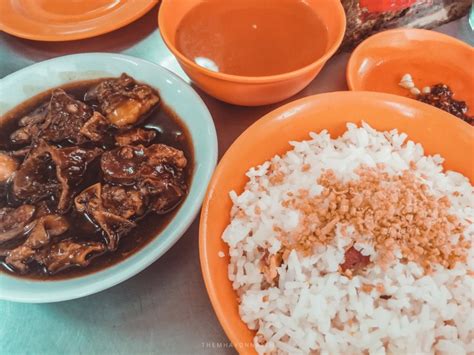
column 165, row 308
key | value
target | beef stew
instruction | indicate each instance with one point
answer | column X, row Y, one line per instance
column 89, row 174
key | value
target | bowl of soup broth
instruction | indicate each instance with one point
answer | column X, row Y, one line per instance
column 249, row 52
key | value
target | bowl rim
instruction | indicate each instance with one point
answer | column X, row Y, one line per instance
column 422, row 35
column 70, row 291
column 340, row 15
column 211, row 286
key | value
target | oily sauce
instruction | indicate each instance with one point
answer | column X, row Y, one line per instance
column 385, row 76
column 170, row 131
column 252, row 38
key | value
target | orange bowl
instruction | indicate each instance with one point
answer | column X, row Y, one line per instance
column 379, row 63
column 252, row 91
column 438, row 132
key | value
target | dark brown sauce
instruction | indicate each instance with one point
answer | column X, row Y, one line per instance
column 170, row 131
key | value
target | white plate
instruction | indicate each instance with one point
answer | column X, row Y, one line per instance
column 177, row 95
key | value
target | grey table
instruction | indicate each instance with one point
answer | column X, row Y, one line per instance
column 164, row 309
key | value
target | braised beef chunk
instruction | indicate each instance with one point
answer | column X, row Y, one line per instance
column 37, row 116
column 164, row 194
column 30, row 125
column 14, row 222
column 46, row 227
column 62, row 119
column 164, row 155
column 124, row 101
column 108, row 218
column 40, row 236
column 71, row 165
column 162, row 177
column 19, row 258
column 136, row 136
column 157, row 170
column 123, row 165
column 48, row 171
column 36, row 178
column 95, row 128
column 84, row 182
column 68, row 253
column 65, row 118
column 130, row 164
column 122, row 201
column 8, row 166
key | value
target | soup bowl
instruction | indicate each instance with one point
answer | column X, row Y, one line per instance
column 255, row 90
column 438, row 132
column 176, row 95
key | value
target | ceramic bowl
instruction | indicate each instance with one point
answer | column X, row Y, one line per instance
column 180, row 97
column 252, row 91
column 438, row 131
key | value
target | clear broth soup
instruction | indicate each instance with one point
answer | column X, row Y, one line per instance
column 252, row 37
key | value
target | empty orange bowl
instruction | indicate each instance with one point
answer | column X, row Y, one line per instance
column 379, row 63
column 246, row 90
column 438, row 132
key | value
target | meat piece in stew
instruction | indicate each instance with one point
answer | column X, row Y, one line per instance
column 136, row 136
column 14, row 222
column 124, row 101
column 65, row 118
column 8, row 166
column 156, row 170
column 67, row 253
column 40, row 236
column 30, row 125
column 52, row 171
column 96, row 128
column 107, row 211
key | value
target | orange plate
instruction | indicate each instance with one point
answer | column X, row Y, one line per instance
column 379, row 63
column 65, row 20
column 438, row 131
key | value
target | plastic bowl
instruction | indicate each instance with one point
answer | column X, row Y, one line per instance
column 252, row 91
column 380, row 61
column 438, row 131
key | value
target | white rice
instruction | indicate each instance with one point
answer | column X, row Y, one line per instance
column 309, row 310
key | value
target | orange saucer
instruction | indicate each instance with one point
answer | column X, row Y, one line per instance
column 65, row 20
column 379, row 63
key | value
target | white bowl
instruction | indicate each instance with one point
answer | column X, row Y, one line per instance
column 177, row 95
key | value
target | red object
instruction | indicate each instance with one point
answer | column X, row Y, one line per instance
column 387, row 5
column 354, row 260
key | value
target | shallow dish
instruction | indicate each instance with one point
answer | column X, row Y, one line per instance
column 244, row 90
column 379, row 63
column 436, row 130
column 177, row 95
column 52, row 20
